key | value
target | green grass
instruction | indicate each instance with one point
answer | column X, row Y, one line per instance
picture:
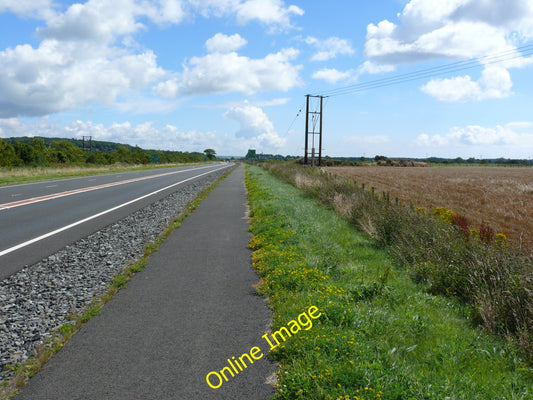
column 380, row 336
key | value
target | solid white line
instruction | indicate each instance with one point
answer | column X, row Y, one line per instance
column 60, row 180
column 33, row 200
column 64, row 228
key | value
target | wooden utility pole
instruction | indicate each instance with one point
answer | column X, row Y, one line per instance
column 90, row 143
column 315, row 116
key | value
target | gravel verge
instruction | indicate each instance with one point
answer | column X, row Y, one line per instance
column 38, row 298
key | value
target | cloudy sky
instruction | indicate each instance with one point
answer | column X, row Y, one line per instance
column 233, row 74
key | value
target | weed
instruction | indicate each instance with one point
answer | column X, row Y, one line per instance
column 92, row 311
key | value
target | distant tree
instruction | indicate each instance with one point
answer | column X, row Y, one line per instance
column 40, row 152
column 139, row 156
column 502, row 160
column 210, row 153
column 100, row 158
column 123, row 154
column 67, row 152
column 8, row 156
column 24, row 152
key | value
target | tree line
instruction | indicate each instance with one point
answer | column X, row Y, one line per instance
column 37, row 151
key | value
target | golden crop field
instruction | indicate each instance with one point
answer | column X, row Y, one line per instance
column 500, row 197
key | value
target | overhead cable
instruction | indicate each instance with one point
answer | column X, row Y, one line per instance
column 457, row 66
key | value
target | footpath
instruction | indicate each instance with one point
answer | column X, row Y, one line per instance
column 187, row 314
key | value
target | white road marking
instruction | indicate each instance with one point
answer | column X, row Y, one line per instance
column 32, row 200
column 64, row 228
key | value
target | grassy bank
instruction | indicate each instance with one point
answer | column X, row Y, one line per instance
column 15, row 175
column 439, row 250
column 379, row 335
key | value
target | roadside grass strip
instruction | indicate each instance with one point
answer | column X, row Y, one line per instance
column 379, row 335
column 64, row 332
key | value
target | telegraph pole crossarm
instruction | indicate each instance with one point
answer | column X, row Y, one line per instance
column 314, row 115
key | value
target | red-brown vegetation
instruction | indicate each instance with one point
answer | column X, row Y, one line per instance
column 498, row 197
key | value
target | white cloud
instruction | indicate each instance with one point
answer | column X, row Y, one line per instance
column 230, row 72
column 255, row 127
column 78, row 61
column 331, row 75
column 94, row 20
column 59, row 76
column 217, row 8
column 145, row 135
column 270, row 12
column 221, row 43
column 387, row 43
column 103, row 20
column 512, row 134
column 494, row 83
column 258, row 103
column 274, row 102
column 329, row 48
column 431, row 29
column 165, row 11
column 273, row 13
column 370, row 67
column 28, row 8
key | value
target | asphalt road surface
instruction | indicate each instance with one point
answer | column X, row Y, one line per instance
column 38, row 219
column 184, row 316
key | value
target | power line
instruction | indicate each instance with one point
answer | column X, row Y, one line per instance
column 295, row 118
column 457, row 66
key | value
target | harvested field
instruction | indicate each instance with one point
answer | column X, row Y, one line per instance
column 500, row 197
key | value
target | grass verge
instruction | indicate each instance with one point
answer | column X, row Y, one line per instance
column 16, row 175
column 64, row 332
column 438, row 250
column 379, row 336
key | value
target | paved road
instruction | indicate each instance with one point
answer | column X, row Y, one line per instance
column 179, row 319
column 27, row 212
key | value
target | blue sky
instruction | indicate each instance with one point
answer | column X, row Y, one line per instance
column 233, row 74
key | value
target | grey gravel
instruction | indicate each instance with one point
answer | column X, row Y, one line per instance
column 37, row 300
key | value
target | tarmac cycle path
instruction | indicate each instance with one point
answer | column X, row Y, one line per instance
column 187, row 314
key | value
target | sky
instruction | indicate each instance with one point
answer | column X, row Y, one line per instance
column 232, row 75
